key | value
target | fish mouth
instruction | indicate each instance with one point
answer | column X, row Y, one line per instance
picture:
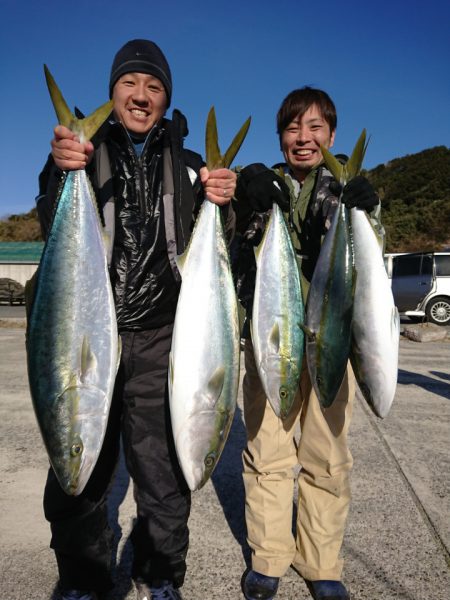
column 201, row 440
column 74, row 450
column 73, row 477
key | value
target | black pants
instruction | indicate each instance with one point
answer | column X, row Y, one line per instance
column 81, row 537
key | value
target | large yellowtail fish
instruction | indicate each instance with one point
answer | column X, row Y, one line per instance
column 329, row 310
column 204, row 359
column 277, row 315
column 376, row 324
column 72, row 340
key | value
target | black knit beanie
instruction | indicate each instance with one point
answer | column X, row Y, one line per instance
column 141, row 56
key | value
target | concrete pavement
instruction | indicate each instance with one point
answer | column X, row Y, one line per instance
column 398, row 535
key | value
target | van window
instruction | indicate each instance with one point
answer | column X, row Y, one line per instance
column 427, row 265
column 417, row 264
column 406, row 265
column 442, row 265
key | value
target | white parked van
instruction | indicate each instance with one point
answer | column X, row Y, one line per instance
column 421, row 284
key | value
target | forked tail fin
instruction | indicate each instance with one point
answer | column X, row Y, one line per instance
column 84, row 128
column 343, row 173
column 214, row 159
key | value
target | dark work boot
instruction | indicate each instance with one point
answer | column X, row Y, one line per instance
column 259, row 587
column 158, row 590
column 77, row 595
column 327, row 590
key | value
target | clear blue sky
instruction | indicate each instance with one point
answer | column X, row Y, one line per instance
column 385, row 63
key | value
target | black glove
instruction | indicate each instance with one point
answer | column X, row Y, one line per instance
column 261, row 187
column 358, row 192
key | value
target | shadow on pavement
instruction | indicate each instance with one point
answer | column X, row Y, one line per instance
column 427, row 383
column 441, row 375
column 228, row 484
column 374, row 568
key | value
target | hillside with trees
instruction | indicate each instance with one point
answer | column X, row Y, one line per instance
column 21, row 228
column 414, row 192
column 415, row 199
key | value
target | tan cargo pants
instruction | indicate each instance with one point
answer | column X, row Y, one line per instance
column 273, row 452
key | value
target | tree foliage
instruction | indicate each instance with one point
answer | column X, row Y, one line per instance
column 415, row 200
column 21, row 228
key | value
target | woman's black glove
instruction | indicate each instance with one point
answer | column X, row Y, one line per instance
column 358, row 192
column 261, row 187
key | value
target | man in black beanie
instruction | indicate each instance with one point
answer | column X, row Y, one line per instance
column 148, row 188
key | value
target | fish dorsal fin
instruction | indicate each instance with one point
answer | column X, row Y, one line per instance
column 84, row 128
column 215, row 386
column 88, row 361
column 214, row 159
column 274, row 338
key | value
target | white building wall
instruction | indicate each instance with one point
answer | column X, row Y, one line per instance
column 20, row 272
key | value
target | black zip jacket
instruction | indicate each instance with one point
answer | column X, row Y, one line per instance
column 144, row 279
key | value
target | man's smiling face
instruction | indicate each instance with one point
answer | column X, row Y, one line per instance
column 301, row 140
column 140, row 101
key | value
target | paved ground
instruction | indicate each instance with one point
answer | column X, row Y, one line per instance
column 398, row 536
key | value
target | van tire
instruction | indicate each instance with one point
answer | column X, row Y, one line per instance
column 438, row 310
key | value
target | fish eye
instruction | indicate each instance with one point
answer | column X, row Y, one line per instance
column 210, row 460
column 76, row 449
column 283, row 393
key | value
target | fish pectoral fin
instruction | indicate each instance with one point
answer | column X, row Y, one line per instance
column 274, row 338
column 215, row 386
column 73, row 383
column 88, row 361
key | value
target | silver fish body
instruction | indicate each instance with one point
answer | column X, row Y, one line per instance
column 204, row 359
column 329, row 310
column 376, row 324
column 72, row 340
column 277, row 316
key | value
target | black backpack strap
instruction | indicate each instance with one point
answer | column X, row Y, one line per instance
column 184, row 200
